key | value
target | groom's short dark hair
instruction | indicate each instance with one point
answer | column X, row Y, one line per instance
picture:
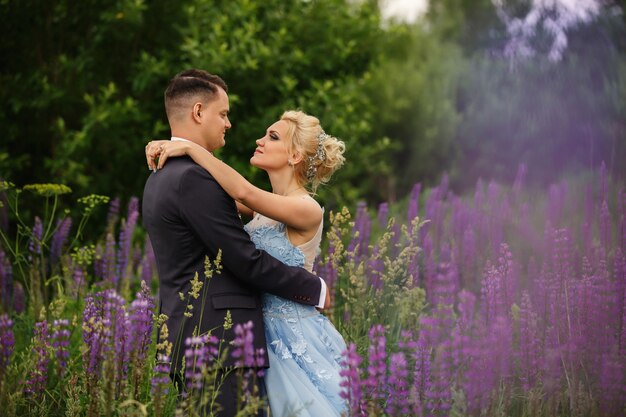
column 191, row 84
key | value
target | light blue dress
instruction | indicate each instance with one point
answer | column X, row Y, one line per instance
column 304, row 347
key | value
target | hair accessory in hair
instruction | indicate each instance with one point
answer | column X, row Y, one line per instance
column 320, row 154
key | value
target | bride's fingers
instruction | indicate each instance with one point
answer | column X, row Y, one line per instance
column 151, row 154
column 162, row 157
column 147, row 155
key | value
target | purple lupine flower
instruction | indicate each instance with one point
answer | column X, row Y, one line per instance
column 360, row 232
column 430, row 264
column 244, row 348
column 468, row 260
column 60, row 239
column 19, row 298
column 7, row 343
column 491, row 290
column 351, row 384
column 37, row 377
column 108, row 260
column 459, row 221
column 244, row 353
column 115, row 313
column 407, row 343
column 499, row 286
column 148, row 263
column 78, row 277
column 603, row 316
column 437, row 326
column 622, row 337
column 528, row 346
column 466, row 305
column 612, row 386
column 125, row 240
column 61, row 343
column 446, row 283
column 551, row 361
column 434, row 212
column 587, row 224
column 398, row 403
column 421, row 374
column 376, row 382
column 197, row 360
column 140, row 328
column 501, row 354
column 133, row 207
column 104, row 332
column 438, row 397
column 490, row 362
column 93, row 335
column 375, row 269
column 414, row 353
column 137, row 256
column 461, row 335
column 383, row 214
column 326, row 268
column 113, row 213
column 413, row 209
column 414, row 270
column 161, row 379
column 34, row 244
column 508, row 270
column 621, row 215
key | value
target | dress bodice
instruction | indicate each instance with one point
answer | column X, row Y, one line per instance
column 271, row 236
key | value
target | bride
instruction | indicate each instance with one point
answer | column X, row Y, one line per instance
column 304, row 348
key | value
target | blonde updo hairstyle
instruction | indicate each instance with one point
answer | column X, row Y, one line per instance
column 315, row 168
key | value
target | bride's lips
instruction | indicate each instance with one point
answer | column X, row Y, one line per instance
column 257, row 151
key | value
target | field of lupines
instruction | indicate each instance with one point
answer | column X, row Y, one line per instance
column 506, row 302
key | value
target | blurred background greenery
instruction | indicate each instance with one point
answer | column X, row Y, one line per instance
column 471, row 87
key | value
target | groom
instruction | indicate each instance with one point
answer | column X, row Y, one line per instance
column 189, row 217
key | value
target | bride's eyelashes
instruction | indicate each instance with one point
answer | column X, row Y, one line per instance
column 274, row 136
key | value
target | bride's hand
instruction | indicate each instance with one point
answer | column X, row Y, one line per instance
column 163, row 149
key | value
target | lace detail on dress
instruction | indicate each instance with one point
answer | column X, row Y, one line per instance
column 296, row 332
column 272, row 239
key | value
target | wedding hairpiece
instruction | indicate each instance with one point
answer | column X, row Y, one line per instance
column 320, row 154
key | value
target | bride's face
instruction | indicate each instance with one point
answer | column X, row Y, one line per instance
column 272, row 151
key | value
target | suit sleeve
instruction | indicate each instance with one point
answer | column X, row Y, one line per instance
column 212, row 214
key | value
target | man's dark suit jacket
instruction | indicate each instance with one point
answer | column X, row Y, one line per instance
column 189, row 216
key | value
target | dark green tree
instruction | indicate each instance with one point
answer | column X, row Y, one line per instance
column 84, row 82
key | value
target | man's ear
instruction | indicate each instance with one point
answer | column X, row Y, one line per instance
column 196, row 112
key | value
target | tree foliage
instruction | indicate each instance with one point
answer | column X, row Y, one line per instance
column 87, row 81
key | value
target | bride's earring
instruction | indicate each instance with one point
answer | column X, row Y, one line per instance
column 290, row 162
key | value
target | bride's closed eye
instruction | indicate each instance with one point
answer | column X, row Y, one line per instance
column 274, row 136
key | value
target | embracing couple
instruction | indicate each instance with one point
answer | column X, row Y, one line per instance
column 191, row 207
